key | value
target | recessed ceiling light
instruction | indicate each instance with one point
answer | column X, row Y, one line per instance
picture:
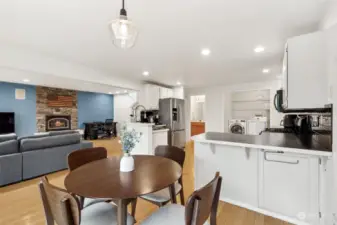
column 205, row 51
column 117, row 92
column 259, row 49
column 178, row 83
column 110, row 92
column 125, row 91
column 26, row 80
column 265, row 70
column 146, row 73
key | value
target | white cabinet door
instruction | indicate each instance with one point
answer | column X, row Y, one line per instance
column 331, row 35
column 163, row 92
column 169, row 93
column 238, row 167
column 178, row 92
column 327, row 191
column 307, row 80
column 289, row 185
column 159, row 138
column 152, row 96
column 166, row 93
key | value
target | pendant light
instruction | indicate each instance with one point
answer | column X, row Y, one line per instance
column 124, row 32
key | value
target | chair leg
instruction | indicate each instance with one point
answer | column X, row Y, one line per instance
column 133, row 208
column 81, row 202
column 182, row 198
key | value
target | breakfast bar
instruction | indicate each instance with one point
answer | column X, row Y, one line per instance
column 280, row 175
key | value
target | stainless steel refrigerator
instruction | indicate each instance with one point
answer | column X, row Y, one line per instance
column 172, row 114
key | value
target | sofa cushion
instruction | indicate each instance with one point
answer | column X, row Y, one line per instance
column 10, row 168
column 44, row 161
column 9, row 147
column 7, row 137
column 33, row 136
column 49, row 142
column 62, row 132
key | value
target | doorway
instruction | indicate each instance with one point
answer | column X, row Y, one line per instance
column 197, row 114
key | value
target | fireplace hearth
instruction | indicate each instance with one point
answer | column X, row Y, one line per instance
column 58, row 122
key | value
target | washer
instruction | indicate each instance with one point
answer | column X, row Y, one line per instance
column 237, row 126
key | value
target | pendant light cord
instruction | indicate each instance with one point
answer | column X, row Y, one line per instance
column 123, row 11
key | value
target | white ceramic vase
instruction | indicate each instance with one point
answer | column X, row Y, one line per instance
column 127, row 163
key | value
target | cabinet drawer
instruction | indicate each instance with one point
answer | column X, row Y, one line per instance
column 289, row 185
column 197, row 128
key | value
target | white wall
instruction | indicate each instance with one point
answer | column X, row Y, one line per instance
column 218, row 104
column 197, row 108
column 329, row 24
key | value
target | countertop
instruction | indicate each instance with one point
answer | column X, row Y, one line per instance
column 314, row 145
column 160, row 130
column 139, row 124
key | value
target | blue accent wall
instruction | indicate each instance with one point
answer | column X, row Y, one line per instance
column 25, row 110
column 94, row 107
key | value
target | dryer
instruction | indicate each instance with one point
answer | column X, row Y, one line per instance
column 237, row 126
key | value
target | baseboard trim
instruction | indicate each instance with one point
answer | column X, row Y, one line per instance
column 264, row 212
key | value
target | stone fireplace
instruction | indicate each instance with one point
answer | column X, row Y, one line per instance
column 58, row 122
column 44, row 112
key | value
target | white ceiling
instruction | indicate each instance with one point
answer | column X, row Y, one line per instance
column 48, row 80
column 171, row 35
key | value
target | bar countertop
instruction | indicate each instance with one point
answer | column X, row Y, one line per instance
column 319, row 145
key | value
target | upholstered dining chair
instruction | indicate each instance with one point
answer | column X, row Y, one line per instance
column 162, row 197
column 81, row 157
column 64, row 208
column 201, row 206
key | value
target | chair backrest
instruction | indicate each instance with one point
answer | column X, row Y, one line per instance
column 109, row 122
column 59, row 205
column 171, row 152
column 84, row 156
column 203, row 203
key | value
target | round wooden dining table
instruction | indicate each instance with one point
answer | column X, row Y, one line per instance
column 103, row 179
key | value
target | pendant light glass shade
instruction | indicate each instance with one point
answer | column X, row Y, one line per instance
column 124, row 32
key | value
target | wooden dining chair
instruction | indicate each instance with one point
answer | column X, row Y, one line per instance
column 201, row 206
column 64, row 208
column 162, row 197
column 81, row 157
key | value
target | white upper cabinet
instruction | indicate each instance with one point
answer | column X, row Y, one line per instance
column 178, row 92
column 331, row 35
column 152, row 94
column 169, row 93
column 166, row 92
column 305, row 80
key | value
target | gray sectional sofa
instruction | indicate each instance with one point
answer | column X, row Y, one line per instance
column 27, row 157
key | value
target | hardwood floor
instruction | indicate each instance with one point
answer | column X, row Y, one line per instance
column 20, row 203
